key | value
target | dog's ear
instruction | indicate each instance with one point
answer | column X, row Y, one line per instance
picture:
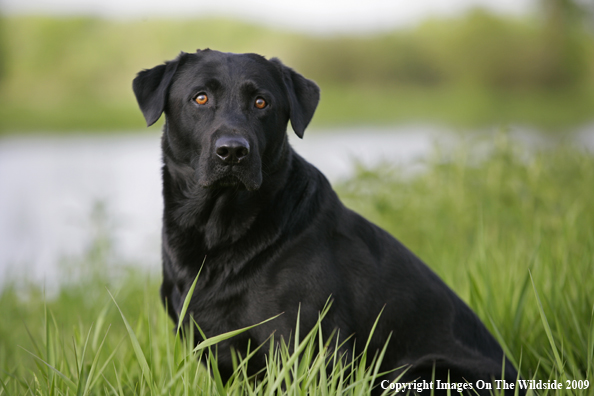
column 304, row 96
column 151, row 87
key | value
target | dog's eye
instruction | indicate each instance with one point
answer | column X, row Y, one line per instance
column 201, row 99
column 260, row 103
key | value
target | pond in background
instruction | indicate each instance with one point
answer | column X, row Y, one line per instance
column 57, row 193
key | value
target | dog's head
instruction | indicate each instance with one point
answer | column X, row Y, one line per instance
column 226, row 114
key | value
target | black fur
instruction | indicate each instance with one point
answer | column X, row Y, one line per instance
column 274, row 236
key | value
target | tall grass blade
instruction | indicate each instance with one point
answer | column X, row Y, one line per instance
column 118, row 381
column 545, row 322
column 67, row 380
column 82, row 377
column 146, row 372
column 4, row 388
column 216, row 374
column 590, row 364
column 225, row 336
column 188, row 299
column 92, row 377
column 506, row 349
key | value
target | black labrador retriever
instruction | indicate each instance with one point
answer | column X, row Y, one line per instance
column 274, row 237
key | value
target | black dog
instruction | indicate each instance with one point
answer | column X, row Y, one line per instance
column 275, row 235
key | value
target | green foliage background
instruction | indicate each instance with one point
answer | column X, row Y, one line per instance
column 479, row 69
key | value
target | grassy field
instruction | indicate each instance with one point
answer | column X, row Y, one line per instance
column 510, row 229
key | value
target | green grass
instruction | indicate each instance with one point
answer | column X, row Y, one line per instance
column 510, row 229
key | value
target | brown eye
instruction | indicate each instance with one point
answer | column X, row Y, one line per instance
column 260, row 103
column 201, row 99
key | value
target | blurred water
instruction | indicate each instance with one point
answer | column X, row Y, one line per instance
column 57, row 193
column 51, row 186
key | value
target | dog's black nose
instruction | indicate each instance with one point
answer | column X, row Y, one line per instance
column 232, row 149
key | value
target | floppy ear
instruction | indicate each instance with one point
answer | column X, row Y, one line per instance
column 151, row 87
column 303, row 94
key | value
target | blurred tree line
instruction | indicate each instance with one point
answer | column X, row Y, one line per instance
column 75, row 73
column 480, row 50
column 2, row 49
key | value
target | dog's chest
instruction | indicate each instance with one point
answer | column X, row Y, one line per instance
column 219, row 304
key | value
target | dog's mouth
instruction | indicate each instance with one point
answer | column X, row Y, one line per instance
column 233, row 182
column 225, row 178
column 228, row 181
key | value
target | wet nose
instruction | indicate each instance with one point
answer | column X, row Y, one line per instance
column 232, row 149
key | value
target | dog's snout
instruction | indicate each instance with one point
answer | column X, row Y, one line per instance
column 232, row 150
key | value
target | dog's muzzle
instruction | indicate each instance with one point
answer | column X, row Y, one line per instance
column 232, row 163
